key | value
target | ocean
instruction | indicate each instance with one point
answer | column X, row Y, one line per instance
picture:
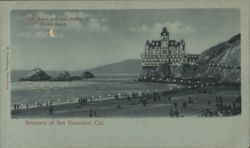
column 103, row 86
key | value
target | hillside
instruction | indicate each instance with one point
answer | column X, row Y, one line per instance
column 221, row 61
column 226, row 52
column 227, row 57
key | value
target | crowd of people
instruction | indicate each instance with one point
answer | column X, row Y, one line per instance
column 223, row 108
column 82, row 100
column 17, row 106
column 146, row 98
column 219, row 106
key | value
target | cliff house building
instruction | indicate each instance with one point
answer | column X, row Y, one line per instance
column 165, row 50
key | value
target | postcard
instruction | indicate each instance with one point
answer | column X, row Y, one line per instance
column 124, row 74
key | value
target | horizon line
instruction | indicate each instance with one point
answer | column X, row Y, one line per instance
column 72, row 70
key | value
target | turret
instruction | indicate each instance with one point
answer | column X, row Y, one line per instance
column 147, row 45
column 164, row 38
column 182, row 44
column 164, row 34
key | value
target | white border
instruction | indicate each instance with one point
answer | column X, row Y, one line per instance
column 127, row 132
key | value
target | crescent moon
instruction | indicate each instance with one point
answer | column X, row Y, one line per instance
column 52, row 33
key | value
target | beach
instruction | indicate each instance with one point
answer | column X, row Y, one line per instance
column 193, row 102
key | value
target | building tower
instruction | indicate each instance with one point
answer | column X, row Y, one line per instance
column 164, row 38
column 182, row 45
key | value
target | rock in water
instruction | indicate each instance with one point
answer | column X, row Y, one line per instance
column 36, row 75
column 87, row 75
column 63, row 77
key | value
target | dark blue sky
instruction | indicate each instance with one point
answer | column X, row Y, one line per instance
column 107, row 36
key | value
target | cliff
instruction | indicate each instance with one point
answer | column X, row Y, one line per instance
column 221, row 62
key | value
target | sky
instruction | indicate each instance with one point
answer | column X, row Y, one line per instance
column 91, row 38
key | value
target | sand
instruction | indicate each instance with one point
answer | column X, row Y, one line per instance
column 134, row 107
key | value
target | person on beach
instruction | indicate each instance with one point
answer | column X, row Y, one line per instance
column 83, row 100
column 95, row 113
column 169, row 98
column 128, row 98
column 217, row 99
column 220, row 99
column 90, row 112
column 221, row 103
column 148, row 97
column 141, row 99
column 196, row 99
column 217, row 105
column 234, row 105
column 184, row 105
column 79, row 100
column 176, row 113
column 27, row 106
column 230, row 107
column 175, row 104
column 154, row 97
column 144, row 101
column 190, row 100
column 238, row 99
column 51, row 110
column 116, row 97
column 171, row 112
column 159, row 97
